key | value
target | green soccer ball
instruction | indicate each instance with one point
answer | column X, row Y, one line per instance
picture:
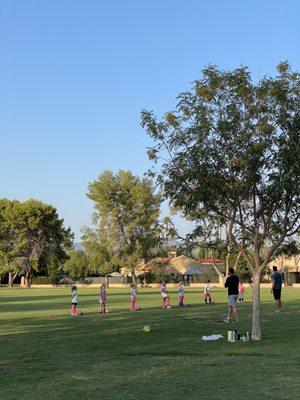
column 147, row 329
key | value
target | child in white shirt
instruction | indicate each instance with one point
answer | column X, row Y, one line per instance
column 207, row 293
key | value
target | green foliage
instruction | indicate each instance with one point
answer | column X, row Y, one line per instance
column 213, row 277
column 150, row 277
column 42, row 280
column 100, row 247
column 289, row 249
column 126, row 217
column 32, row 237
column 167, row 235
column 234, row 155
column 243, row 269
column 161, row 272
column 77, row 265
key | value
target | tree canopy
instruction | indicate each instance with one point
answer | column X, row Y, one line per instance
column 31, row 235
column 126, row 219
column 230, row 150
column 76, row 266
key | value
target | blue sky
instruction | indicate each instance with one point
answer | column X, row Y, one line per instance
column 75, row 75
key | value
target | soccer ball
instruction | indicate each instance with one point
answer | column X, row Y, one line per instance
column 169, row 307
column 147, row 328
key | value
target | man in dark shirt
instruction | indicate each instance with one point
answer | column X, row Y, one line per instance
column 232, row 284
column 276, row 287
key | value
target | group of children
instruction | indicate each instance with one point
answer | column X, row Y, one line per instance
column 102, row 300
column 207, row 293
column 133, row 296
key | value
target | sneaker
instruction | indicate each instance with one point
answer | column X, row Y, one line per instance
column 226, row 320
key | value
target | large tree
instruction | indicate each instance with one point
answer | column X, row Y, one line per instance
column 231, row 150
column 8, row 252
column 31, row 236
column 101, row 247
column 126, row 211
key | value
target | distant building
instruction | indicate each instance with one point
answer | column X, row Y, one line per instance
column 290, row 266
column 187, row 266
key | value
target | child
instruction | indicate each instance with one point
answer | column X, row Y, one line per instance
column 180, row 294
column 74, row 301
column 165, row 295
column 207, row 294
column 133, row 298
column 241, row 292
column 102, row 299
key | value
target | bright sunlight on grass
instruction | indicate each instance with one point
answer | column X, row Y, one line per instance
column 47, row 355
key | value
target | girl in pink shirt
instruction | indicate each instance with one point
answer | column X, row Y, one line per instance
column 241, row 292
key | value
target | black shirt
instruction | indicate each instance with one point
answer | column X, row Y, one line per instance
column 232, row 283
column 277, row 278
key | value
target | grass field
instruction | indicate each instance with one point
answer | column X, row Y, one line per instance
column 46, row 354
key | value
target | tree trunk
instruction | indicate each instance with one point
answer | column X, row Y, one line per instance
column 220, row 275
column 227, row 261
column 256, row 323
column 229, row 227
column 10, row 279
column 236, row 262
column 107, row 280
column 27, row 279
column 133, row 276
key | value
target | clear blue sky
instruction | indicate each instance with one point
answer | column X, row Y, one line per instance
column 76, row 73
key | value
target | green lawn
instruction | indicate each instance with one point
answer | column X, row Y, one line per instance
column 46, row 354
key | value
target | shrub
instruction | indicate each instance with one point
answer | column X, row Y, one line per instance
column 42, row 280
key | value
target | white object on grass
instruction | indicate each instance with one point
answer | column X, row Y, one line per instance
column 212, row 337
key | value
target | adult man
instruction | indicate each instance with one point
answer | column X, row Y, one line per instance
column 276, row 287
column 232, row 284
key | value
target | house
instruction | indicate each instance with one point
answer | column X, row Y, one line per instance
column 289, row 265
column 186, row 266
column 163, row 261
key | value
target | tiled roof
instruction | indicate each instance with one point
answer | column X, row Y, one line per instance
column 210, row 260
column 150, row 265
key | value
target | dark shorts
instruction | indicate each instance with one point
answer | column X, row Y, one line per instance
column 74, row 304
column 277, row 294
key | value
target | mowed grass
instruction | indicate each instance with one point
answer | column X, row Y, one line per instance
column 46, row 354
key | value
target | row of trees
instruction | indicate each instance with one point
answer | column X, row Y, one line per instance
column 126, row 226
column 126, row 229
column 26, row 249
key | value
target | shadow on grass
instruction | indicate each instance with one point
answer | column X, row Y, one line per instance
column 208, row 316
